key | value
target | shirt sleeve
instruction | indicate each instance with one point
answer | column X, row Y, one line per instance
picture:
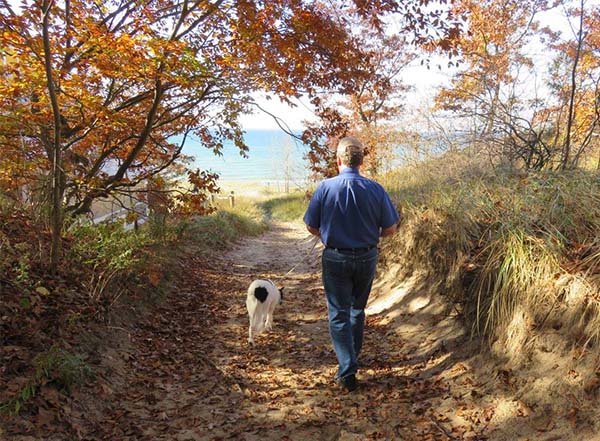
column 389, row 214
column 312, row 217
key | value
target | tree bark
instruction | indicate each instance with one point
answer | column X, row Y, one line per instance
column 55, row 149
column 571, row 116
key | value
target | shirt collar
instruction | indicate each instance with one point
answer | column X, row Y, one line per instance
column 348, row 170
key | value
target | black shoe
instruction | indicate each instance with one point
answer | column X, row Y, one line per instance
column 349, row 383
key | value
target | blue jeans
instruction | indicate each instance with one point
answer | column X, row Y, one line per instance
column 347, row 279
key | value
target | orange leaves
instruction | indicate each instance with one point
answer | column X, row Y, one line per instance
column 133, row 80
column 155, row 276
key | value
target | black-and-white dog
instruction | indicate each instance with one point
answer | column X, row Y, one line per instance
column 263, row 297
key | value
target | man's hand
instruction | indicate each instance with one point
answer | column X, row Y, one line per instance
column 389, row 231
column 313, row 231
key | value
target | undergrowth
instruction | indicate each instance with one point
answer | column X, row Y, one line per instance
column 505, row 245
column 57, row 367
column 103, row 267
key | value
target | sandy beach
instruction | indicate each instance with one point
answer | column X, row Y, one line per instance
column 259, row 189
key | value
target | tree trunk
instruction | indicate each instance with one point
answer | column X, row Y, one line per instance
column 56, row 172
column 571, row 116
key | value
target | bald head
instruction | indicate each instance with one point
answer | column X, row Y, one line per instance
column 350, row 151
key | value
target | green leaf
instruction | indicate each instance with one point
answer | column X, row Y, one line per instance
column 26, row 302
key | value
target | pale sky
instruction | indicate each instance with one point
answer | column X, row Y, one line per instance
column 424, row 81
column 292, row 116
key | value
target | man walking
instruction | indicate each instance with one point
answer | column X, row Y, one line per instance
column 349, row 213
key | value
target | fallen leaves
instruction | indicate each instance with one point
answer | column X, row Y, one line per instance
column 184, row 371
column 544, row 422
column 592, row 386
column 522, row 409
column 42, row 291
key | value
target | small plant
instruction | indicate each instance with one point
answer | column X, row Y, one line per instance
column 110, row 253
column 56, row 366
column 22, row 269
column 62, row 368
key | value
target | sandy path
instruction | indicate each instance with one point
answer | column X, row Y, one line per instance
column 186, row 372
column 285, row 380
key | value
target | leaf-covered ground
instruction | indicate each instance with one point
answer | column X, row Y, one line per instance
column 189, row 373
column 183, row 369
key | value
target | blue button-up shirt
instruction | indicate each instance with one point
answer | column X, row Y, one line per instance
column 350, row 210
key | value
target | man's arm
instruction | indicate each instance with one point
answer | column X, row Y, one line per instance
column 389, row 231
column 390, row 215
column 313, row 231
column 313, row 213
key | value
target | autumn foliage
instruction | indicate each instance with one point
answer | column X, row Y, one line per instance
column 133, row 83
column 526, row 93
column 99, row 97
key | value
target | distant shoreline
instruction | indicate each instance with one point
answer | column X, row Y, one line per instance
column 272, row 155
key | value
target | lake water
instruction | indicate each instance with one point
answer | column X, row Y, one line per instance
column 273, row 156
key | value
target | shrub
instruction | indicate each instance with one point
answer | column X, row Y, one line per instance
column 109, row 255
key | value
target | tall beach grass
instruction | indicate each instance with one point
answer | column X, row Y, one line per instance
column 511, row 248
column 286, row 208
column 228, row 224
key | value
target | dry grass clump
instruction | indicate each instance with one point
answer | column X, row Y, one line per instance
column 511, row 248
column 287, row 208
column 219, row 230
